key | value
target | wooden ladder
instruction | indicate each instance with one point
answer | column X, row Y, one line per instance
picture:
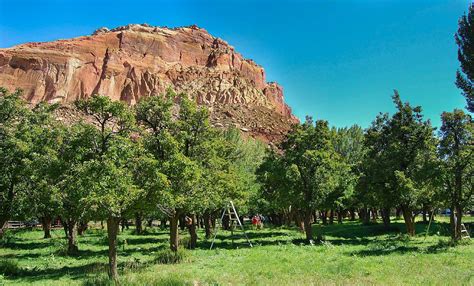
column 233, row 218
column 464, row 232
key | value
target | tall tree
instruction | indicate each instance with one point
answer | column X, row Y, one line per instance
column 77, row 148
column 313, row 167
column 15, row 147
column 457, row 155
column 465, row 41
column 110, row 183
column 44, row 168
column 401, row 159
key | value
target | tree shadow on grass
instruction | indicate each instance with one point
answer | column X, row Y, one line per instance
column 19, row 245
column 355, row 231
column 75, row 272
column 29, row 275
column 401, row 246
column 145, row 240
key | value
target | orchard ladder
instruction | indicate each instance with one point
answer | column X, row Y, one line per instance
column 230, row 211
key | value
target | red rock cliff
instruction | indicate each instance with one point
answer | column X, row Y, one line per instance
column 133, row 61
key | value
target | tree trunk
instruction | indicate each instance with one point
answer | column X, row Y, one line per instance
column 182, row 222
column 82, row 227
column 365, row 216
column 409, row 220
column 386, row 217
column 458, row 221
column 339, row 216
column 324, row 217
column 46, row 225
column 331, row 217
column 124, row 224
column 307, row 226
column 112, row 230
column 174, row 233
column 138, row 223
column 207, row 225
column 72, row 237
column 65, row 227
column 299, row 221
column 226, row 222
column 397, row 213
column 6, row 208
column 374, row 215
column 452, row 223
column 192, row 232
column 3, row 224
column 352, row 214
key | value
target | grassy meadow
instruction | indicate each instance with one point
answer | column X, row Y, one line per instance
column 351, row 254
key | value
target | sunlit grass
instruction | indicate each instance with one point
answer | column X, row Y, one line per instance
column 351, row 254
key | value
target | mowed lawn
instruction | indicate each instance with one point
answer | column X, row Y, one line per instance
column 351, row 254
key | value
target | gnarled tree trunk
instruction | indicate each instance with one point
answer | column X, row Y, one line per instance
column 386, row 217
column 308, row 225
column 456, row 213
column 46, row 225
column 82, row 227
column 112, row 231
column 192, row 232
column 138, row 223
column 207, row 225
column 331, row 217
column 174, row 232
column 72, row 237
column 409, row 220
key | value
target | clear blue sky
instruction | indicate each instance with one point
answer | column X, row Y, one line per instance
column 336, row 60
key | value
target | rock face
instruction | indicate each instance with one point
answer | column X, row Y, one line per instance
column 134, row 61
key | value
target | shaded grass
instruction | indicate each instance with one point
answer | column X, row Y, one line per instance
column 351, row 253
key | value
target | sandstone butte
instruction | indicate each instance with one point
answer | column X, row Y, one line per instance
column 135, row 61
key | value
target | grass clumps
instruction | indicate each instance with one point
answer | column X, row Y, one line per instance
column 9, row 267
column 167, row 256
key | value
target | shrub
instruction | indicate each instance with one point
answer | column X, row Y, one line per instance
column 167, row 256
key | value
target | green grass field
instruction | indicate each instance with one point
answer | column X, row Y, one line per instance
column 351, row 254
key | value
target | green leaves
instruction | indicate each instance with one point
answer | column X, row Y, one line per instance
column 465, row 41
column 456, row 151
column 309, row 165
column 401, row 157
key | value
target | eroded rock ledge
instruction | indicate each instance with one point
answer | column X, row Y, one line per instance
column 133, row 61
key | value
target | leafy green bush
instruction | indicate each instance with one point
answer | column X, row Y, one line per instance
column 167, row 256
column 9, row 267
column 7, row 238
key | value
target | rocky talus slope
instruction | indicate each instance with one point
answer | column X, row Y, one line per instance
column 134, row 61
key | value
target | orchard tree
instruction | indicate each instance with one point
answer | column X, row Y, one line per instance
column 313, row 167
column 119, row 180
column 402, row 165
column 77, row 148
column 457, row 155
column 465, row 41
column 349, row 144
column 14, row 150
column 273, row 195
column 41, row 196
